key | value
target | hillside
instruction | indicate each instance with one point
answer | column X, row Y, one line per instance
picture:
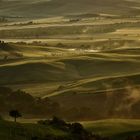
column 65, row 76
column 44, row 130
column 48, row 130
column 92, row 57
column 61, row 7
column 116, row 129
column 67, row 61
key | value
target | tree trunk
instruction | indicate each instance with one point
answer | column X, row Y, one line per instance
column 15, row 119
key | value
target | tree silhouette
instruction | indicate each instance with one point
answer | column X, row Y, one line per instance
column 15, row 114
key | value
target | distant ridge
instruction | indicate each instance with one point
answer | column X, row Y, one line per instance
column 43, row 8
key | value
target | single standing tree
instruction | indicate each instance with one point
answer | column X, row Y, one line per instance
column 14, row 114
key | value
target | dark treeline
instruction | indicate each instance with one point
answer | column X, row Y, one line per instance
column 3, row 20
column 74, row 131
column 10, row 52
column 3, row 45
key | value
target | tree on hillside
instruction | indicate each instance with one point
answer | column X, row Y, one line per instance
column 15, row 114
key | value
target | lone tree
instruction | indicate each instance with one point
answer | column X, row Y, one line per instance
column 15, row 114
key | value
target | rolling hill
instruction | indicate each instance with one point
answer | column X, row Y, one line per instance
column 105, row 83
column 43, row 8
column 75, row 59
column 93, row 60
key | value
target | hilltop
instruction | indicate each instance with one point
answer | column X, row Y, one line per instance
column 45, row 8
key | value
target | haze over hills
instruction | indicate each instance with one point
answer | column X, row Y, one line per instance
column 78, row 60
column 96, row 80
column 43, row 8
column 86, row 54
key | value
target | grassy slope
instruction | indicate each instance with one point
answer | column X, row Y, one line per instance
column 94, row 79
column 56, row 7
column 86, row 71
column 68, row 76
column 12, row 131
column 117, row 129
